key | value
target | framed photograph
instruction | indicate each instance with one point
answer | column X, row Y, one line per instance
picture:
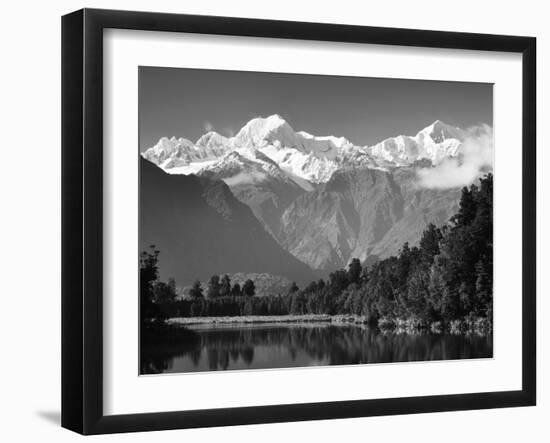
column 269, row 221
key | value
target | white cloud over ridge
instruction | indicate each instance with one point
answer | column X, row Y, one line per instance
column 476, row 154
column 228, row 132
column 207, row 126
column 244, row 178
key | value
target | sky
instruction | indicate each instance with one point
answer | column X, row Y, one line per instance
column 187, row 103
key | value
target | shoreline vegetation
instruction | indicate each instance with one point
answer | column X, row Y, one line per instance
column 445, row 284
column 477, row 325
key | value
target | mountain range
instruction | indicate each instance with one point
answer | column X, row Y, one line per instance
column 306, row 159
column 323, row 200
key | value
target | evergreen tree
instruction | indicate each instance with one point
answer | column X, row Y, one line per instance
column 196, row 290
column 313, row 287
column 449, row 303
column 403, row 265
column 297, row 304
column 248, row 288
column 417, row 294
column 429, row 243
column 163, row 293
column 148, row 277
column 148, row 268
column 236, row 290
column 172, row 284
column 436, row 285
column 214, row 287
column 225, row 286
column 338, row 281
column 294, row 287
column 465, row 294
column 484, row 289
column 248, row 307
column 197, row 308
column 467, row 207
column 354, row 271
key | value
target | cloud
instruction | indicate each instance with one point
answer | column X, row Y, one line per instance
column 244, row 178
column 476, row 154
column 207, row 126
column 228, row 131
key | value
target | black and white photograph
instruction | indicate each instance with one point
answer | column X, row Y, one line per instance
column 266, row 222
column 292, row 220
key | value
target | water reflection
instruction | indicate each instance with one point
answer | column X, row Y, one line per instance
column 279, row 346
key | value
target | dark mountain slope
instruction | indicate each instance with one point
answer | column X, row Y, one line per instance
column 201, row 229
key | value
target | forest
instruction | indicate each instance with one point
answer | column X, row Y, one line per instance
column 447, row 277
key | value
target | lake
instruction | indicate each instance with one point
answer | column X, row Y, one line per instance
column 261, row 346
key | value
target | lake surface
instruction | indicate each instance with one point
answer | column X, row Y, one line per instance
column 261, row 346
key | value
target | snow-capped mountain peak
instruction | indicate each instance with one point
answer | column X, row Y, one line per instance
column 260, row 132
column 435, row 142
column 168, row 149
column 212, row 140
column 439, row 131
column 306, row 159
column 180, row 155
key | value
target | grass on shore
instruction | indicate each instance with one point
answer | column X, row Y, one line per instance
column 479, row 325
column 183, row 321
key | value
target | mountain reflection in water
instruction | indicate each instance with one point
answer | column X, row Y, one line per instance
column 262, row 346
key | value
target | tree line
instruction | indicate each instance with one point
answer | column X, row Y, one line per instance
column 447, row 276
column 221, row 287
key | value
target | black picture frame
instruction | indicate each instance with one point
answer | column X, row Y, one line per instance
column 82, row 220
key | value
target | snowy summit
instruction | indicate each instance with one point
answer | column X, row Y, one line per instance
column 267, row 147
